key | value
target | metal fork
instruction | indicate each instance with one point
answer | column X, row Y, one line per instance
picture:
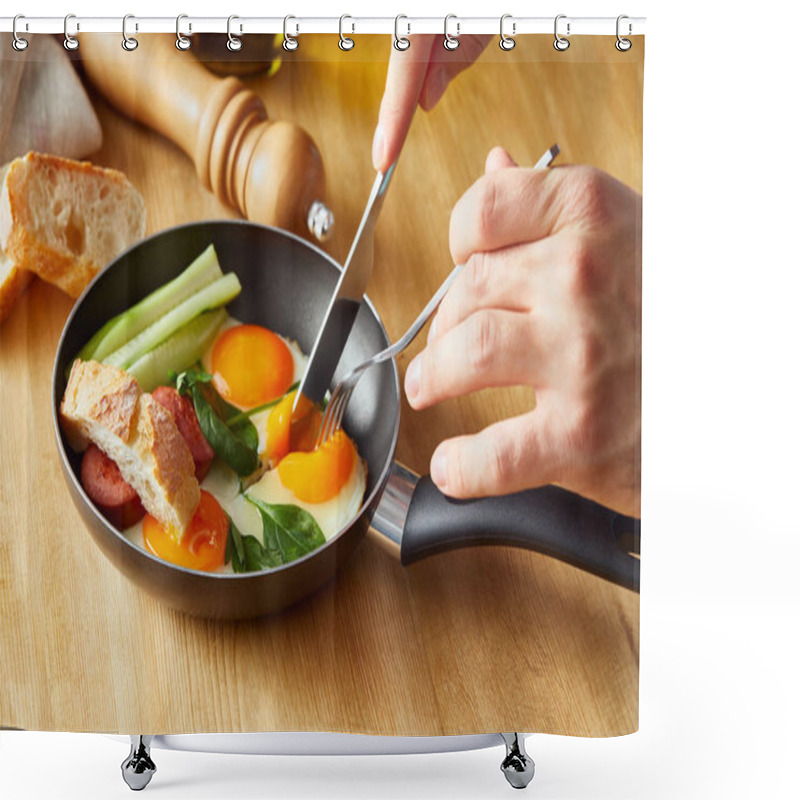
column 337, row 405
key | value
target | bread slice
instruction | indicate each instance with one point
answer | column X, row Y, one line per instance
column 13, row 279
column 65, row 220
column 104, row 405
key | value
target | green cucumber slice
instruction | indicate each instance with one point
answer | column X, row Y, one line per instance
column 212, row 296
column 179, row 352
column 203, row 271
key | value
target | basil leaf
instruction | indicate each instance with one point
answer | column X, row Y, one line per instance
column 256, row 557
column 237, row 445
column 234, row 549
column 290, row 532
column 241, row 456
column 189, row 378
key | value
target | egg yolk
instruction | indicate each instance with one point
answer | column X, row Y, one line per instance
column 288, row 431
column 251, row 365
column 320, row 475
column 202, row 545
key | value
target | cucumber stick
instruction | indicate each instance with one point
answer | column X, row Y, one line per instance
column 212, row 296
column 118, row 331
column 179, row 352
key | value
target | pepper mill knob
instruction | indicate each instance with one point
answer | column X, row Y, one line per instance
column 270, row 170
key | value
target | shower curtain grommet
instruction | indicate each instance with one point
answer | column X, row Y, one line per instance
column 451, row 42
column 623, row 45
column 401, row 42
column 234, row 44
column 182, row 42
column 70, row 42
column 561, row 44
column 507, row 42
column 18, row 43
column 128, row 43
column 346, row 43
column 290, row 44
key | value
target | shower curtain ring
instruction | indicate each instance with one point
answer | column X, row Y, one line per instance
column 19, row 43
column 507, row 42
column 128, row 42
column 623, row 45
column 289, row 42
column 451, row 42
column 401, row 42
column 182, row 42
column 70, row 42
column 560, row 44
column 345, row 42
column 234, row 43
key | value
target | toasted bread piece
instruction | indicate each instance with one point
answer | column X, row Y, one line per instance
column 13, row 279
column 64, row 220
column 104, row 405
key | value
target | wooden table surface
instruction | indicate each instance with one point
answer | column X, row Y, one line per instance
column 465, row 642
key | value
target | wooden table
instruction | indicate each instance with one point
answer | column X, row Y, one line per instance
column 472, row 641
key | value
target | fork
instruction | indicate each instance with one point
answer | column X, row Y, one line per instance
column 340, row 397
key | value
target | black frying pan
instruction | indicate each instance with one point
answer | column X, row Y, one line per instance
column 287, row 284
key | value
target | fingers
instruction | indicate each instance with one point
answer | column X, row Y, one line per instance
column 404, row 81
column 490, row 348
column 446, row 64
column 509, row 456
column 504, row 207
column 505, row 279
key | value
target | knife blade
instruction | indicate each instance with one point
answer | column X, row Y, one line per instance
column 346, row 300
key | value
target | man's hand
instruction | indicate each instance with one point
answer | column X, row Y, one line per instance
column 551, row 298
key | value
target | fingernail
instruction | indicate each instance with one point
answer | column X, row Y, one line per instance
column 413, row 374
column 439, row 468
column 432, row 329
column 378, row 147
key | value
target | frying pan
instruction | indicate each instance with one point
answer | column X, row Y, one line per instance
column 287, row 284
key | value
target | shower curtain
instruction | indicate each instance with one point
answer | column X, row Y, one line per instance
column 530, row 377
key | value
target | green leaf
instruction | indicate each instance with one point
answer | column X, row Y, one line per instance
column 237, row 444
column 234, row 549
column 290, row 532
column 240, row 455
column 189, row 378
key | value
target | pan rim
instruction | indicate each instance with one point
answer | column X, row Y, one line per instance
column 119, row 535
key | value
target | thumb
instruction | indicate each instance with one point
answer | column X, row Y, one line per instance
column 509, row 456
column 499, row 158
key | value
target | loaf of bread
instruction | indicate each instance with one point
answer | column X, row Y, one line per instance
column 13, row 278
column 64, row 220
column 104, row 405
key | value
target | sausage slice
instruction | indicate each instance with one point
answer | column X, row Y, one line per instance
column 182, row 411
column 108, row 490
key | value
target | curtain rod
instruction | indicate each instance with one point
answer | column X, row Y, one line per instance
column 456, row 26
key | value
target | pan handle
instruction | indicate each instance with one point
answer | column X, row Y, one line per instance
column 550, row 520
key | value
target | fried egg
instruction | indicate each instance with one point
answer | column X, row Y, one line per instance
column 251, row 365
column 329, row 483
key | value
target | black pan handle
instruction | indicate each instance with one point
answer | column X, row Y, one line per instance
column 549, row 520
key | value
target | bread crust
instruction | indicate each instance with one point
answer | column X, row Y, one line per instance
column 105, row 405
column 68, row 265
column 13, row 282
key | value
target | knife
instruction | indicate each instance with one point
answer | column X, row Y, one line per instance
column 346, row 300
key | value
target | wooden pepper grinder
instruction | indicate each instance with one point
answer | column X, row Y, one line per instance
column 270, row 170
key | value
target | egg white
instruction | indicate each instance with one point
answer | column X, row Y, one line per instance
column 331, row 516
